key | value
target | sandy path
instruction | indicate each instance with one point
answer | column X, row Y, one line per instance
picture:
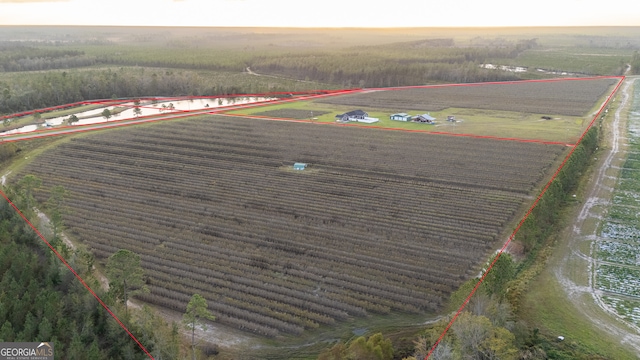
column 584, row 230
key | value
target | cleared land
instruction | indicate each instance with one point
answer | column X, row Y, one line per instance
column 381, row 221
column 293, row 113
column 565, row 97
column 551, row 111
column 618, row 247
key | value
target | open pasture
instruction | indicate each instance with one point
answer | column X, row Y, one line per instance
column 381, row 221
column 478, row 122
column 291, row 113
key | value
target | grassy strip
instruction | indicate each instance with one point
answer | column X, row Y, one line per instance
column 536, row 295
column 507, row 124
column 545, row 306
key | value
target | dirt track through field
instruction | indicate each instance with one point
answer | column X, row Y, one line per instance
column 583, row 230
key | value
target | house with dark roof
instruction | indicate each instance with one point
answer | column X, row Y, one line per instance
column 356, row 115
column 352, row 115
column 424, row 118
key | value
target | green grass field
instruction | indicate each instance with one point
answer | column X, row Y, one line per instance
column 576, row 316
column 481, row 122
column 546, row 304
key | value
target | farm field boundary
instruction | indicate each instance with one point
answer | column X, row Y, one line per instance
column 401, row 129
column 233, row 155
column 77, row 276
column 526, row 216
column 225, row 185
column 300, row 96
column 591, row 272
column 64, row 130
column 553, row 111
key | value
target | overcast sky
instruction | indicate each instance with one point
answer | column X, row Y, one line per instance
column 321, row 13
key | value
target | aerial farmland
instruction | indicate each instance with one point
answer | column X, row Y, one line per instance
column 275, row 193
column 379, row 222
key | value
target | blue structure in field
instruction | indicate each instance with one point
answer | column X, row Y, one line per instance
column 299, row 166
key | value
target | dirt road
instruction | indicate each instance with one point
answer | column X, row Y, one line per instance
column 575, row 269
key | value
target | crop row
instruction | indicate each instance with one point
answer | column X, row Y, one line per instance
column 212, row 208
column 628, row 309
column 245, row 224
column 483, row 174
column 568, row 97
column 461, row 222
column 377, row 268
column 618, row 279
column 619, row 252
column 620, row 231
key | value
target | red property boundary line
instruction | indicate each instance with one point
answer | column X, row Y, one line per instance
column 178, row 114
column 513, row 234
column 304, row 96
column 75, row 273
column 289, row 97
column 491, row 137
column 113, row 102
column 495, row 83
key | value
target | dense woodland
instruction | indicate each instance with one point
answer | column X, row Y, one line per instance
column 41, row 300
column 105, row 63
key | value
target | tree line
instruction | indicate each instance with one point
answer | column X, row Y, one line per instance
column 40, row 90
column 489, row 327
column 397, row 64
column 410, row 63
column 18, row 56
column 635, row 63
column 42, row 301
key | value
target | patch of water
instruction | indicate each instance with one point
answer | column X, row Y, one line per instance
column 515, row 69
column 127, row 110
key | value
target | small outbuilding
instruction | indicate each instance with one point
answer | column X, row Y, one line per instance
column 401, row 117
column 425, row 118
column 299, row 166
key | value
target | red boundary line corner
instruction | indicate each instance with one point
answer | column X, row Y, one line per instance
column 535, row 203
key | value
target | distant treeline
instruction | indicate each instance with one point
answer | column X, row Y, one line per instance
column 178, row 68
column 61, row 87
column 635, row 63
column 16, row 56
column 28, row 91
column 409, row 63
